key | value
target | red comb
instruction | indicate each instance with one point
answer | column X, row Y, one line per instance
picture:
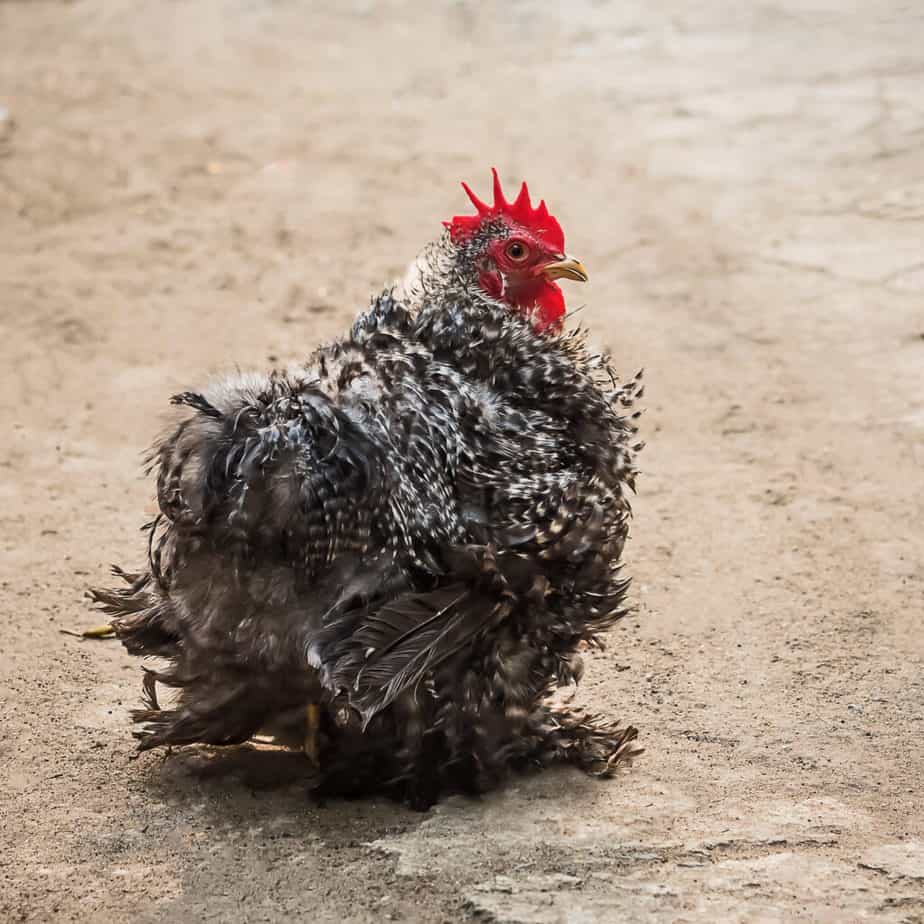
column 537, row 220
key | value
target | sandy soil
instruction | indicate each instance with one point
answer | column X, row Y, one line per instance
column 189, row 186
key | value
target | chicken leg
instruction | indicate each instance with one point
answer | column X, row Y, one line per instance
column 312, row 745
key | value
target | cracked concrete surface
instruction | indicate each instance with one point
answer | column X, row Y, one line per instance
column 186, row 187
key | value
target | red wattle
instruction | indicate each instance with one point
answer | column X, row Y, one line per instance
column 551, row 308
column 539, row 295
column 545, row 298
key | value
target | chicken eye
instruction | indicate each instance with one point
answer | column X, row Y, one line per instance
column 517, row 251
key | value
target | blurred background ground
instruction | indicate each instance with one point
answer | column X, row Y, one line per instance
column 185, row 187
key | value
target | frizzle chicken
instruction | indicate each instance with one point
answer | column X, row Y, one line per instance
column 393, row 552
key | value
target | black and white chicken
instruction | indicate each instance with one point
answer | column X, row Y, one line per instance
column 393, row 553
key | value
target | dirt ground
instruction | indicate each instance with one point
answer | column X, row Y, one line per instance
column 186, row 187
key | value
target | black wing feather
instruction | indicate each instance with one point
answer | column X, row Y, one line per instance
column 456, row 616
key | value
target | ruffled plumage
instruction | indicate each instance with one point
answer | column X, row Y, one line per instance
column 416, row 529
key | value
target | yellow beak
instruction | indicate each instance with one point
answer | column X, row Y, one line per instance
column 568, row 268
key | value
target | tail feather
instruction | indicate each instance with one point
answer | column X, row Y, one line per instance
column 269, row 460
column 141, row 616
